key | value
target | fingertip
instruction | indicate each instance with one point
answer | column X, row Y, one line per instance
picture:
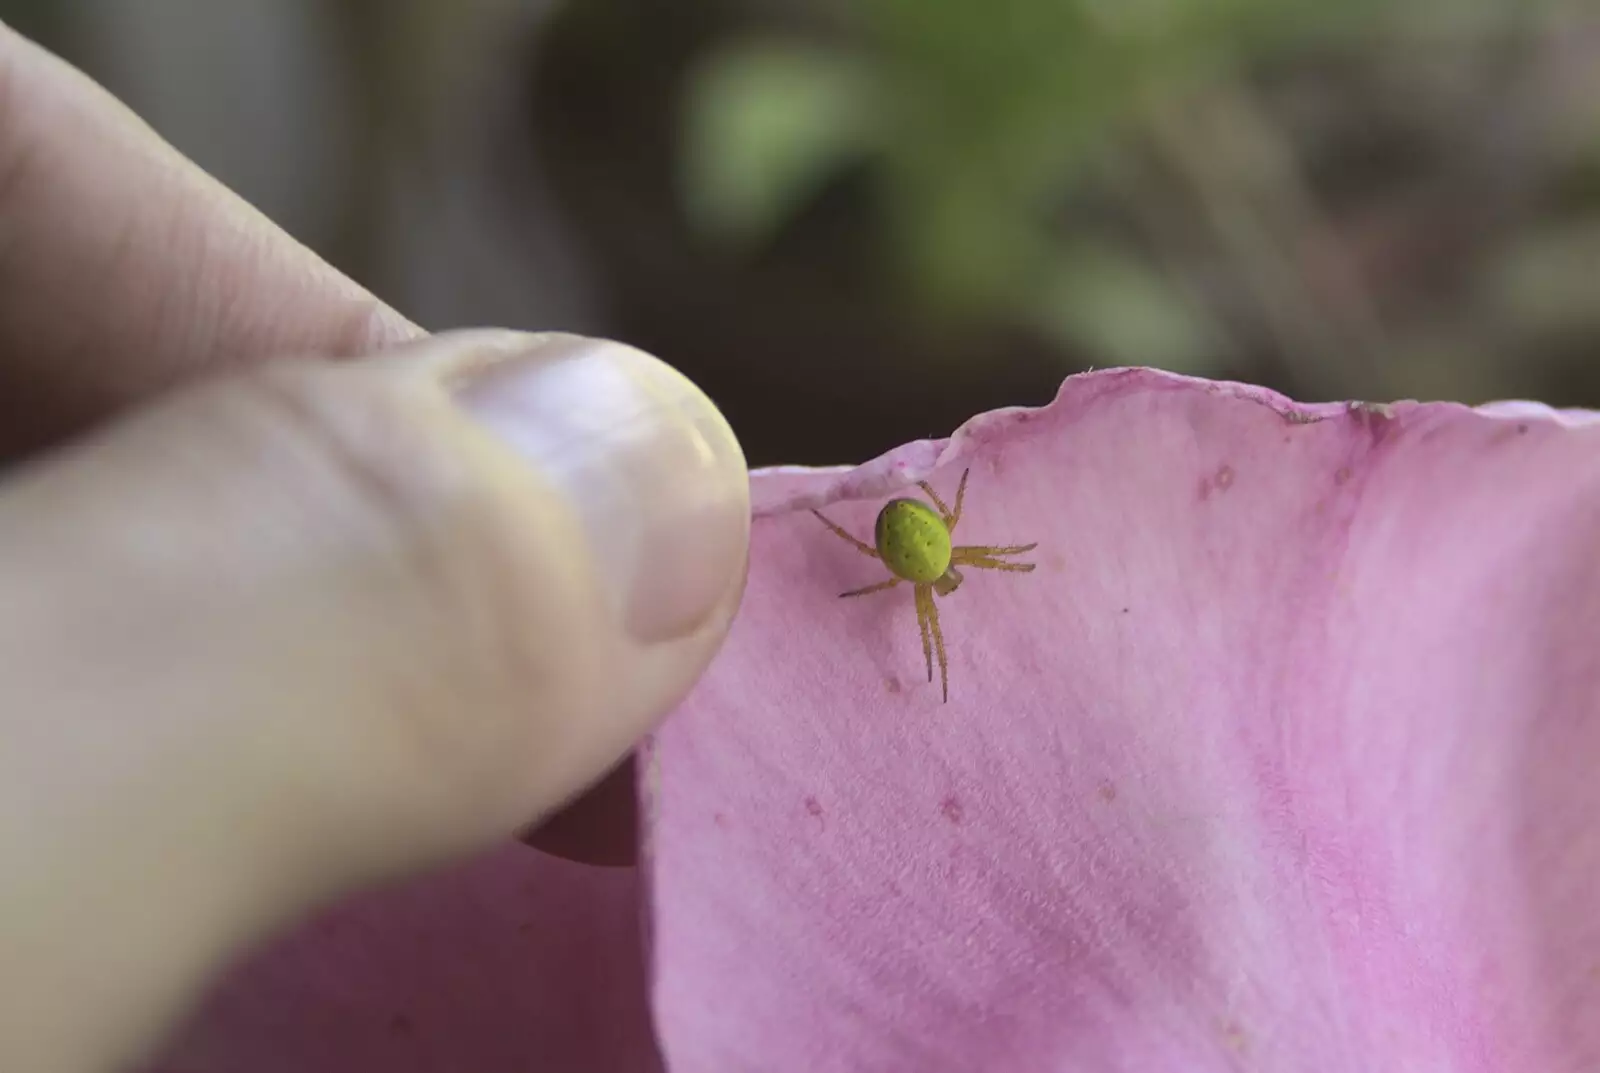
column 652, row 469
column 655, row 480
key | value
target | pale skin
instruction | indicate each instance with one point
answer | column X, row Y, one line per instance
column 276, row 628
column 914, row 541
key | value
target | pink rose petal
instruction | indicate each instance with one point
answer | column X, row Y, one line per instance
column 516, row 962
column 1284, row 759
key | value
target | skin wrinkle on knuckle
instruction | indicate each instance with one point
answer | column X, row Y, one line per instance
column 203, row 310
column 365, row 326
column 357, row 447
column 356, row 323
column 452, row 541
column 34, row 171
column 94, row 204
column 191, row 323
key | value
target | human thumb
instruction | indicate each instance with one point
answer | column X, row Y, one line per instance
column 303, row 629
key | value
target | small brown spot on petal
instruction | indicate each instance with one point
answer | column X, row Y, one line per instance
column 813, row 806
column 1055, row 562
column 1342, row 475
column 951, row 807
column 1522, row 429
column 401, row 1025
column 892, row 684
column 1234, row 1036
column 1224, row 478
column 720, row 819
column 1108, row 791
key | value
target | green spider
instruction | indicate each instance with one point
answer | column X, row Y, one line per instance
column 913, row 540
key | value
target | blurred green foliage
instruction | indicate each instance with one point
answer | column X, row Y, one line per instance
column 1186, row 182
column 772, row 122
column 977, row 120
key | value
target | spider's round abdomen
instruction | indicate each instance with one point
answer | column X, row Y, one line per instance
column 913, row 540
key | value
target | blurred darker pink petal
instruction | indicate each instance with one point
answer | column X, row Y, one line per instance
column 514, row 962
column 1281, row 760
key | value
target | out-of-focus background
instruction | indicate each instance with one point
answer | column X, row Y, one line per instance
column 857, row 223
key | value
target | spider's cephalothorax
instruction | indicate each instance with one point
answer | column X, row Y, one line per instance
column 914, row 541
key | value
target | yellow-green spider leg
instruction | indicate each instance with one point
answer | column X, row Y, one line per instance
column 839, row 531
column 948, row 516
column 938, row 646
column 879, row 587
column 944, row 511
column 986, row 563
column 980, row 551
column 961, row 494
column 921, row 593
